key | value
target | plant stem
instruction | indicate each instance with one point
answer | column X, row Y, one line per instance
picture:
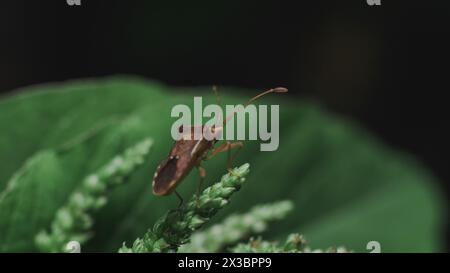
column 176, row 226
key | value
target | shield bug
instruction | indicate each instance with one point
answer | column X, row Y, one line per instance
column 188, row 152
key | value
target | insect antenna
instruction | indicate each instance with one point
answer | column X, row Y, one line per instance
column 216, row 93
column 218, row 101
column 273, row 90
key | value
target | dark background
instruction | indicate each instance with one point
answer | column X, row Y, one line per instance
column 384, row 66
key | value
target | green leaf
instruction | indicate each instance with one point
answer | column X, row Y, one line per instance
column 347, row 187
column 49, row 115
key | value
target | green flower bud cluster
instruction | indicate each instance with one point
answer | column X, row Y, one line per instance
column 175, row 227
column 340, row 249
column 295, row 243
column 237, row 227
column 74, row 220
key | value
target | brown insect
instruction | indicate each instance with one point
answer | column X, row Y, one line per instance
column 187, row 153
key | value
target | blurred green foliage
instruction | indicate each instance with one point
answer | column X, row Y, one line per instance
column 346, row 186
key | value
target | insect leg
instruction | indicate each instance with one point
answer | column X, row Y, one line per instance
column 202, row 173
column 226, row 147
column 231, row 158
column 221, row 148
column 179, row 198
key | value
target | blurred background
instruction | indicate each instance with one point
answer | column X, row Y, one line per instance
column 383, row 66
